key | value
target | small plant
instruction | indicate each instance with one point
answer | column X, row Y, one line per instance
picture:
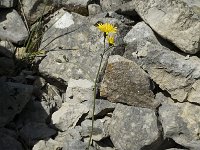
column 106, row 28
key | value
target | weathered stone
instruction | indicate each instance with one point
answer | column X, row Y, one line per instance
column 173, row 72
column 13, row 98
column 99, row 130
column 110, row 4
column 134, row 128
column 7, row 66
column 12, row 27
column 8, row 3
column 9, row 143
column 70, row 37
column 47, row 145
column 78, row 6
column 75, row 145
column 68, row 115
column 34, row 9
column 32, row 132
column 102, row 107
column 180, row 121
column 94, row 9
column 80, row 90
column 7, row 49
column 173, row 20
column 124, row 81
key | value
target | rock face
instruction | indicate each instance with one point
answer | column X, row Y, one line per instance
column 173, row 72
column 13, row 98
column 173, row 20
column 180, row 122
column 124, row 81
column 12, row 27
column 8, row 3
column 133, row 128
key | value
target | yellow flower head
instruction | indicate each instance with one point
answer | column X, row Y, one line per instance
column 111, row 40
column 107, row 28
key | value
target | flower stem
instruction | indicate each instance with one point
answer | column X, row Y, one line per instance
column 95, row 92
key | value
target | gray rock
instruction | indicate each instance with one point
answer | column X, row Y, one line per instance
column 175, row 21
column 173, row 72
column 69, row 38
column 7, row 66
column 7, row 49
column 9, row 143
column 134, row 128
column 12, row 27
column 75, row 145
column 94, row 9
column 32, row 132
column 78, row 6
column 8, row 3
column 102, row 107
column 34, row 9
column 47, row 145
column 80, row 90
column 110, row 4
column 175, row 149
column 124, row 81
column 180, row 121
column 68, row 115
column 99, row 130
column 14, row 97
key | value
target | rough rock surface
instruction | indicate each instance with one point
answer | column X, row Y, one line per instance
column 180, row 122
column 133, row 128
column 8, row 3
column 12, row 27
column 173, row 72
column 173, row 20
column 13, row 98
column 68, row 115
column 80, row 90
column 7, row 49
column 124, row 81
column 47, row 145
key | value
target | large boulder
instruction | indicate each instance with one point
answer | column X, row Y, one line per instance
column 174, row 20
column 12, row 27
column 176, row 73
column 134, row 128
column 180, row 121
column 124, row 81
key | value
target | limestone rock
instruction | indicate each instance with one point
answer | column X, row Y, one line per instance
column 94, row 9
column 172, row 71
column 33, row 132
column 7, row 49
column 80, row 90
column 110, row 4
column 8, row 3
column 133, row 128
column 12, row 27
column 180, row 121
column 102, row 107
column 75, row 145
column 14, row 97
column 124, row 81
column 68, row 115
column 47, row 145
column 173, row 20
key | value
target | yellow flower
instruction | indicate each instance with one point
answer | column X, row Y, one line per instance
column 107, row 28
column 111, row 40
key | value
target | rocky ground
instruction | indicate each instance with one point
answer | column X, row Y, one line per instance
column 148, row 91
